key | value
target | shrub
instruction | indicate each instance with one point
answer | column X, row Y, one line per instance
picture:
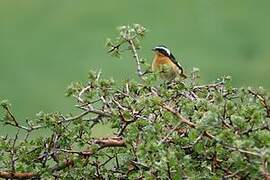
column 162, row 130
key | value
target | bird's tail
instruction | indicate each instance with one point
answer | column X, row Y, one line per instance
column 183, row 75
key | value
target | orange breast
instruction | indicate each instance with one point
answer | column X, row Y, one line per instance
column 167, row 69
column 160, row 60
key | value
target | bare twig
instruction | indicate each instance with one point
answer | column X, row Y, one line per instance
column 214, row 85
column 17, row 175
column 15, row 123
column 170, row 133
column 102, row 113
column 29, row 129
column 232, row 174
column 13, row 153
column 136, row 57
column 186, row 121
column 13, row 119
column 79, row 98
column 243, row 151
column 110, row 142
column 84, row 153
column 177, row 114
column 107, row 161
column 263, row 101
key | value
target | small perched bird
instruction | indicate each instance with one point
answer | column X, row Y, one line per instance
column 165, row 63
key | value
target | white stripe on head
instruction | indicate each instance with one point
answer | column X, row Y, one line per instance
column 164, row 48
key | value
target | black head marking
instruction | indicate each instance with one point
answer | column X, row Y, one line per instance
column 163, row 50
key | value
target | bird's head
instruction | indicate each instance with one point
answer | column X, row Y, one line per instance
column 161, row 49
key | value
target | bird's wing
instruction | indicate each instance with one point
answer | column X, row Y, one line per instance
column 175, row 62
column 178, row 65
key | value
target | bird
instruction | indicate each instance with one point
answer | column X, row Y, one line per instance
column 165, row 64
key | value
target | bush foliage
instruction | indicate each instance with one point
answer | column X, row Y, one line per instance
column 162, row 130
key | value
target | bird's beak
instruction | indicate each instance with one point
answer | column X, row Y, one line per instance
column 153, row 49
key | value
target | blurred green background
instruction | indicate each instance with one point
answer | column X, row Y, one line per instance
column 46, row 44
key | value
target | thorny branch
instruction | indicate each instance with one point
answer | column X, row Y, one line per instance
column 9, row 113
column 136, row 57
column 178, row 115
column 263, row 101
